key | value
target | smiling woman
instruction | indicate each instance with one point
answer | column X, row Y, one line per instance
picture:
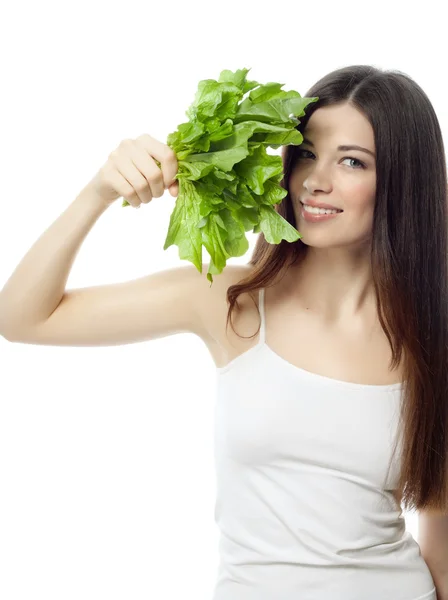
column 361, row 297
column 385, row 216
column 350, row 364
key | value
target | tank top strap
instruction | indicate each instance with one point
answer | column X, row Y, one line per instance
column 263, row 317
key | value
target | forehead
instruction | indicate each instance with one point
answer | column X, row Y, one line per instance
column 342, row 122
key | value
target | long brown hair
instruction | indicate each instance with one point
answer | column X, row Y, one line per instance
column 408, row 255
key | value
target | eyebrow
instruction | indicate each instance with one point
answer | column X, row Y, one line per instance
column 344, row 148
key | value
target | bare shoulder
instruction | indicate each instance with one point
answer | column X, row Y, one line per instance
column 222, row 342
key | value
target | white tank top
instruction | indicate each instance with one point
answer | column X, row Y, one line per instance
column 304, row 503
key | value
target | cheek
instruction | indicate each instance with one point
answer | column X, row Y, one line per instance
column 361, row 195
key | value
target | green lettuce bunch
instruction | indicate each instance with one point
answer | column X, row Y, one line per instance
column 228, row 183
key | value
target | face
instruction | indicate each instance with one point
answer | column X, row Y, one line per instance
column 344, row 179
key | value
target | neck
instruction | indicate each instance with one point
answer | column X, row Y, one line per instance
column 334, row 285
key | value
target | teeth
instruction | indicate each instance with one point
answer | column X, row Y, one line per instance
column 319, row 211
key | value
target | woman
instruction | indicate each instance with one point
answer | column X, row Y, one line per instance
column 349, row 362
column 353, row 336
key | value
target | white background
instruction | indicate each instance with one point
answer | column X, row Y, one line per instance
column 106, row 454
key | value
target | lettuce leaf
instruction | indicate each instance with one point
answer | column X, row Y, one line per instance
column 228, row 183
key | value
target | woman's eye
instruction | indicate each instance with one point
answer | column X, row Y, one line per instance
column 361, row 164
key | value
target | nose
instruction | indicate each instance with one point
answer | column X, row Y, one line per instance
column 317, row 179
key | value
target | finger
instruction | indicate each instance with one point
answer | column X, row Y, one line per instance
column 164, row 154
column 141, row 192
column 123, row 187
column 148, row 168
column 174, row 189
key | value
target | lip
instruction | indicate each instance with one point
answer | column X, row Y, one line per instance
column 310, row 202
